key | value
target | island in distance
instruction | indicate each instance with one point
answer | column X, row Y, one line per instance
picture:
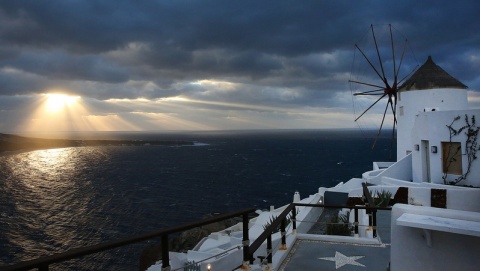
column 9, row 142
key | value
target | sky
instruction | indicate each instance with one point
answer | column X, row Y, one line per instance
column 146, row 65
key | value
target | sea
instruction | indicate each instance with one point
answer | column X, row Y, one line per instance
column 55, row 200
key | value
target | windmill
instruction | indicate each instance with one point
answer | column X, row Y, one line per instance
column 382, row 62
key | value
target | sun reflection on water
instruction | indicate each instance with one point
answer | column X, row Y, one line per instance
column 52, row 162
column 48, row 196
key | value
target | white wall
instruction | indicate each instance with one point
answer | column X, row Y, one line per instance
column 401, row 170
column 458, row 198
column 467, row 200
column 415, row 101
column 448, row 251
column 431, row 127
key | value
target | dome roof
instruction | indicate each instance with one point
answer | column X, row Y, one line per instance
column 431, row 76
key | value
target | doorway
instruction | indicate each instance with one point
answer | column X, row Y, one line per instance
column 425, row 161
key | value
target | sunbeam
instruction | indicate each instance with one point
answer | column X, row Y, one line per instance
column 53, row 112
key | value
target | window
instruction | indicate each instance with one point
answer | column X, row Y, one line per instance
column 401, row 110
column 452, row 157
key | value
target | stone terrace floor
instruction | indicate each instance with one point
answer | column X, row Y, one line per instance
column 311, row 254
column 320, row 255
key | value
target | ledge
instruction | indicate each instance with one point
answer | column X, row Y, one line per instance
column 436, row 223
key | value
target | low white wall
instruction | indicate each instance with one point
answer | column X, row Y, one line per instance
column 221, row 262
column 458, row 197
column 278, row 255
column 397, row 182
column 461, row 199
column 443, row 186
column 381, row 165
column 356, row 192
column 449, row 251
column 348, row 186
column 401, row 170
column 420, row 196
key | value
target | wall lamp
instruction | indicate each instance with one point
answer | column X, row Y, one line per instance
column 434, row 149
column 417, row 147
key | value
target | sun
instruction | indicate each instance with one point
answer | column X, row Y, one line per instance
column 56, row 102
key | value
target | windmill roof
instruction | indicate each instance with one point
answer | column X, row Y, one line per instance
column 431, row 76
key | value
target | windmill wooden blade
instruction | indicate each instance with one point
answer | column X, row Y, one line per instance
column 380, row 91
column 395, row 75
column 380, row 79
column 381, row 126
column 371, row 64
column 364, row 83
column 371, row 106
column 379, row 57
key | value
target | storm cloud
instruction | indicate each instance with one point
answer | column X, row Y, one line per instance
column 276, row 54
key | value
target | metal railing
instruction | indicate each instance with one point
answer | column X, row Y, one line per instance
column 43, row 263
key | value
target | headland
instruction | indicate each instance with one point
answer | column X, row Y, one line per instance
column 11, row 143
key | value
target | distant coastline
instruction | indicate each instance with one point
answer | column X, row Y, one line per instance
column 13, row 143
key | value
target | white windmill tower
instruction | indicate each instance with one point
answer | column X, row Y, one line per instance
column 430, row 88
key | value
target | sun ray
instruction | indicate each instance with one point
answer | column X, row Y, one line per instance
column 53, row 112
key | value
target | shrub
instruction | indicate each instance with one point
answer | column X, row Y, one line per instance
column 339, row 225
column 382, row 199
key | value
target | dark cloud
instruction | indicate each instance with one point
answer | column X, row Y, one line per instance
column 77, row 26
column 16, row 82
column 246, row 36
column 276, row 53
column 62, row 66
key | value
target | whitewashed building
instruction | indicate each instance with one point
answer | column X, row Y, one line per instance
column 428, row 102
